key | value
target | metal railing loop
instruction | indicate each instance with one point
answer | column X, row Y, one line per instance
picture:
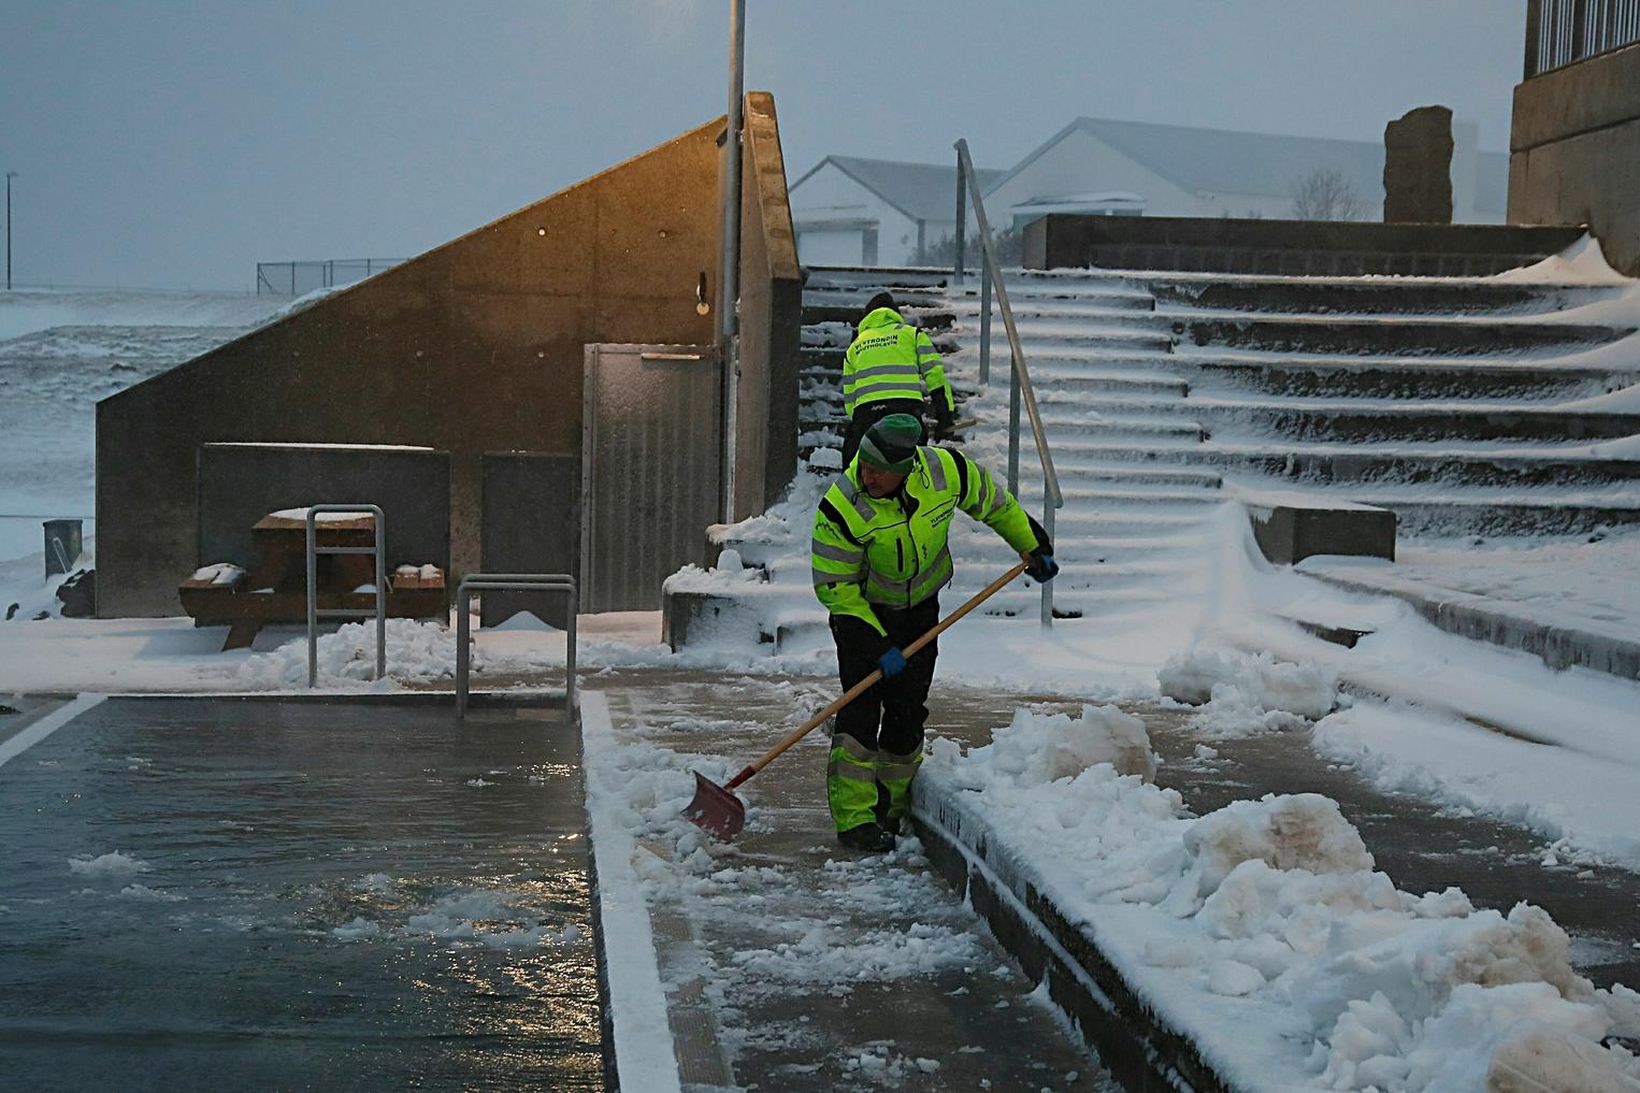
column 511, row 582
column 1020, row 387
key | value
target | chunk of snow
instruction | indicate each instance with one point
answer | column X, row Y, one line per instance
column 219, row 573
column 112, row 864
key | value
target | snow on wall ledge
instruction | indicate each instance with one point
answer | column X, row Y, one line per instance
column 1256, row 947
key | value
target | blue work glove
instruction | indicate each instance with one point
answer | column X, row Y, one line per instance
column 892, row 662
column 1042, row 568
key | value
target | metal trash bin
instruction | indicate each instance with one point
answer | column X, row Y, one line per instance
column 63, row 545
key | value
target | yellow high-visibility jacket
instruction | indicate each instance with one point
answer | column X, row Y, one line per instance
column 891, row 551
column 892, row 359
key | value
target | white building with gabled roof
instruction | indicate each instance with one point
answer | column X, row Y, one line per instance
column 1098, row 165
column 849, row 211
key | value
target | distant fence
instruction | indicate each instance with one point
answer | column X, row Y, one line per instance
column 1559, row 32
column 300, row 278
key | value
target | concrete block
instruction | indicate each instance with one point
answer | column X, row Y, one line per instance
column 704, row 618
column 1290, row 530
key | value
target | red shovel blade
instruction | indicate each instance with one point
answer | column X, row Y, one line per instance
column 715, row 810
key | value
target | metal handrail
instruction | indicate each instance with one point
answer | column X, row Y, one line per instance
column 1053, row 498
column 512, row 582
column 378, row 547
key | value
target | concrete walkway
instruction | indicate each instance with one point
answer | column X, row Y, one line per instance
column 793, row 965
column 747, row 1012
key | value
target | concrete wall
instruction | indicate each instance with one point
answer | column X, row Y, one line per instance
column 474, row 346
column 771, row 307
column 239, row 484
column 1232, row 245
column 1574, row 152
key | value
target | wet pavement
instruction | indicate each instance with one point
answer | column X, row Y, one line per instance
column 793, row 965
column 264, row 895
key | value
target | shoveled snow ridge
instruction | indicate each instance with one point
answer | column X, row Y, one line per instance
column 1256, row 947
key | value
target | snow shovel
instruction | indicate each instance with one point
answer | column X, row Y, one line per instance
column 718, row 812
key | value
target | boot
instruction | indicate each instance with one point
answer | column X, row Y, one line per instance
column 868, row 838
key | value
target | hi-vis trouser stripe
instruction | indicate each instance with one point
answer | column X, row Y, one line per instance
column 895, row 773
column 851, row 782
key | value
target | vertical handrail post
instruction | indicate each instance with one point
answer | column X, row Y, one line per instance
column 463, row 654
column 985, row 330
column 1013, row 427
column 1047, row 588
column 312, row 602
column 962, row 228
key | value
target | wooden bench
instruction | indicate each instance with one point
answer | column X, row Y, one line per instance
column 274, row 589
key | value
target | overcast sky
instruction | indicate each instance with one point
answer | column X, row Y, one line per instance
column 161, row 143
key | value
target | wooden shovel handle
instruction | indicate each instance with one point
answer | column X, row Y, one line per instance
column 865, row 684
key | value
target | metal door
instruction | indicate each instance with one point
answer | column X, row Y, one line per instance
column 651, row 469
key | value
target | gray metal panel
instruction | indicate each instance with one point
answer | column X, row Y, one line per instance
column 651, row 466
column 531, row 524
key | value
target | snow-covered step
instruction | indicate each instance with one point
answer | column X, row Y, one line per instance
column 1403, row 296
column 1425, row 378
column 1058, row 383
column 1399, row 337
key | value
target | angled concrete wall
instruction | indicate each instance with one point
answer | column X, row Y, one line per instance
column 475, row 346
column 1574, row 152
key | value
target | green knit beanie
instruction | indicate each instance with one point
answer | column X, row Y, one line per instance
column 891, row 444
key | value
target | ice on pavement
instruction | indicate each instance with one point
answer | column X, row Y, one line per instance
column 1264, row 930
column 111, row 864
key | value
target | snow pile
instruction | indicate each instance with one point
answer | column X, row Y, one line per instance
column 1244, row 694
column 1040, row 748
column 1582, row 263
column 416, row 652
column 1264, row 930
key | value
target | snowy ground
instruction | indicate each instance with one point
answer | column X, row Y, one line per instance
column 61, row 351
column 1472, row 728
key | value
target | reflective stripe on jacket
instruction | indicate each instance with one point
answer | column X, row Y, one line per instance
column 892, row 551
column 892, row 359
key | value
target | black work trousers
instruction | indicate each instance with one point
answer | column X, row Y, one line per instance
column 889, row 716
column 871, row 413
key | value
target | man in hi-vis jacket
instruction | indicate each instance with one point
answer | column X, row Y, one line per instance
column 891, row 368
column 880, row 558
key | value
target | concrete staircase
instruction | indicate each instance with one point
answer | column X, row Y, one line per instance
column 1438, row 398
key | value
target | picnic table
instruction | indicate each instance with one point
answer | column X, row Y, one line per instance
column 274, row 588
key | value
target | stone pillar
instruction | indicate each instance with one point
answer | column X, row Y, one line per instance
column 1418, row 166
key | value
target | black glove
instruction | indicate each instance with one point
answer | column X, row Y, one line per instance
column 945, row 421
column 1042, row 567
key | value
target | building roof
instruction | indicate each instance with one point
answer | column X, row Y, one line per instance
column 1223, row 161
column 922, row 191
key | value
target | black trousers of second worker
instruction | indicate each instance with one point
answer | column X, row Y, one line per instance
column 890, row 716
